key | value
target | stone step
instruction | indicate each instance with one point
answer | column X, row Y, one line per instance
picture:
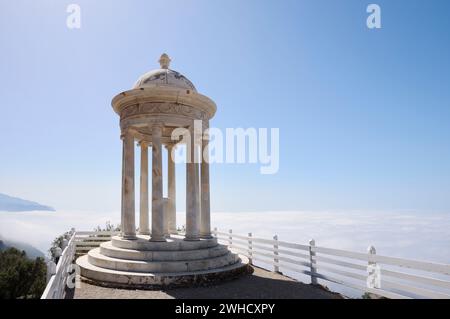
column 107, row 249
column 100, row 260
column 149, row 280
column 174, row 243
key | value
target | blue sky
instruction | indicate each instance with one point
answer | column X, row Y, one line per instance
column 363, row 114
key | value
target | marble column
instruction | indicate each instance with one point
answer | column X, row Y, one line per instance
column 205, row 219
column 122, row 208
column 171, row 209
column 128, row 213
column 192, row 194
column 143, row 220
column 157, row 186
column 166, row 217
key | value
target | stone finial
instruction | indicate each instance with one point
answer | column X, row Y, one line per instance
column 164, row 61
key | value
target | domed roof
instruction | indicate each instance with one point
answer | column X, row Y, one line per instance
column 164, row 77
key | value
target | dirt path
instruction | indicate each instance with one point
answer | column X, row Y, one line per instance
column 261, row 284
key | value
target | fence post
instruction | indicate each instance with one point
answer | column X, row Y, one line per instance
column 215, row 232
column 51, row 269
column 57, row 254
column 250, row 248
column 72, row 248
column 373, row 270
column 312, row 261
column 64, row 243
column 276, row 268
column 230, row 237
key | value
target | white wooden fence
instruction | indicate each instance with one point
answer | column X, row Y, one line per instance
column 369, row 272
column 56, row 286
column 80, row 243
column 384, row 276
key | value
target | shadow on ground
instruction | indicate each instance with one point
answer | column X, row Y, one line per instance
column 259, row 285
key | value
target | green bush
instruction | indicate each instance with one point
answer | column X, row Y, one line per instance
column 108, row 227
column 21, row 277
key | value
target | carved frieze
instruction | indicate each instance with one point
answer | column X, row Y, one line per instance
column 163, row 108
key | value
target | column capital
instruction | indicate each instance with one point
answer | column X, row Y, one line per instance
column 170, row 145
column 126, row 133
column 205, row 133
column 144, row 143
column 156, row 124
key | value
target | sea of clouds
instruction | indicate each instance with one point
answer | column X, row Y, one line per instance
column 421, row 236
column 403, row 234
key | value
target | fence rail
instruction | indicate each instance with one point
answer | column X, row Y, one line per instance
column 80, row 243
column 59, row 274
column 385, row 276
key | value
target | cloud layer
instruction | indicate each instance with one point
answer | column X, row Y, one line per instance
column 403, row 234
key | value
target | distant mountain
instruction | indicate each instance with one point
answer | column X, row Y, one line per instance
column 30, row 250
column 14, row 204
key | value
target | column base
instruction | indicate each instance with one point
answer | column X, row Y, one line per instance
column 158, row 239
column 206, row 236
column 129, row 237
column 191, row 238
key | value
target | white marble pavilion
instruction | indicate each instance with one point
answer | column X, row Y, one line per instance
column 160, row 102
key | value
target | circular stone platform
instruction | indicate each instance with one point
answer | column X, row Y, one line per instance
column 143, row 264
